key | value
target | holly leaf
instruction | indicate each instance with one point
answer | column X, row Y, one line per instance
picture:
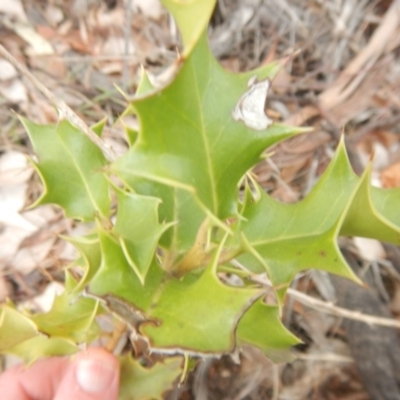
column 137, row 382
column 373, row 212
column 284, row 239
column 22, row 337
column 261, row 326
column 192, row 17
column 386, row 203
column 192, row 150
column 197, row 314
column 116, row 277
column 15, row 328
column 189, row 141
column 71, row 317
column 71, row 169
column 203, row 317
column 138, row 229
column 43, row 346
column 90, row 259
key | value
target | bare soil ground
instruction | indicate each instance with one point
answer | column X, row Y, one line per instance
column 343, row 75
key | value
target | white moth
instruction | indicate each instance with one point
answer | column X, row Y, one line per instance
column 250, row 107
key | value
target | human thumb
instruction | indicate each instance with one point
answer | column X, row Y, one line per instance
column 93, row 374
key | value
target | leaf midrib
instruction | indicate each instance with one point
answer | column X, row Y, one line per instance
column 202, row 130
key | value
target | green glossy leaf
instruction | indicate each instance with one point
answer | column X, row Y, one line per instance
column 145, row 85
column 72, row 321
column 373, row 213
column 89, row 249
column 386, row 202
column 192, row 17
column 70, row 166
column 142, row 383
column 99, row 126
column 42, row 346
column 180, row 208
column 261, row 327
column 115, row 276
column 288, row 238
column 138, row 229
column 15, row 328
column 285, row 239
column 178, row 145
column 71, row 317
column 131, row 134
column 21, row 337
column 198, row 314
column 190, row 142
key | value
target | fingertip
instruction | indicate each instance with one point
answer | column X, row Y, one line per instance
column 96, row 371
column 94, row 374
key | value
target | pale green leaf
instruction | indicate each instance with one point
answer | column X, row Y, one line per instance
column 71, row 317
column 89, row 249
column 386, row 202
column 115, row 275
column 373, row 213
column 43, row 346
column 21, row 337
column 15, row 328
column 284, row 239
column 189, row 141
column 99, row 127
column 192, row 18
column 138, row 229
column 145, row 85
column 198, row 314
column 142, row 383
column 71, row 168
column 261, row 327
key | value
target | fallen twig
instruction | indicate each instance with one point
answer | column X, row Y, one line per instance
column 330, row 308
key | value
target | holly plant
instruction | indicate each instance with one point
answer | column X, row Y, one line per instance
column 184, row 247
